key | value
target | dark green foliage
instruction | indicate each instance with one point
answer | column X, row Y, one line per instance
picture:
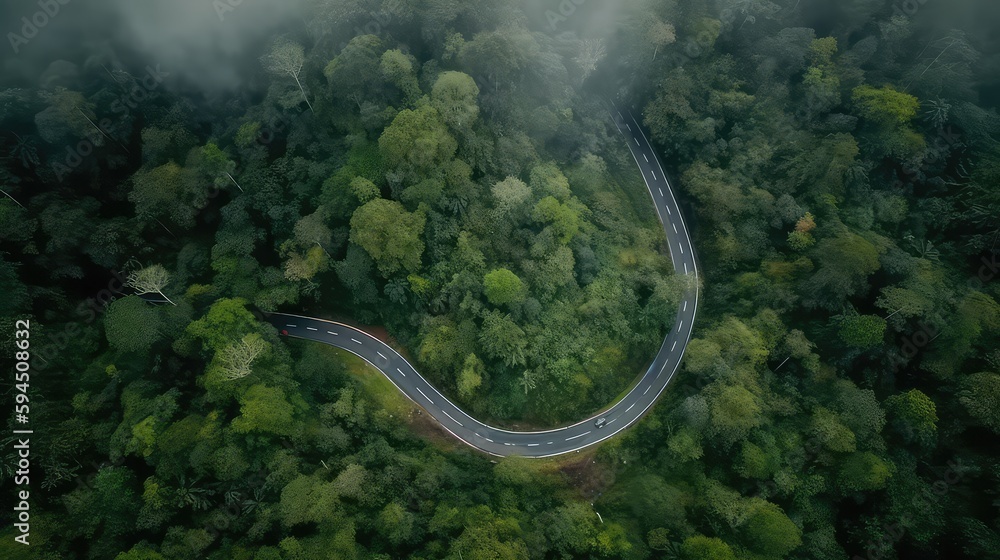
column 453, row 177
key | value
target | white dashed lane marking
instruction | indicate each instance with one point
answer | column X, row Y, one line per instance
column 331, row 332
column 682, row 248
column 685, row 268
column 629, row 407
column 425, row 396
column 647, row 390
column 654, row 175
column 381, row 355
column 311, row 329
column 675, row 227
column 292, row 326
column 674, row 346
column 646, row 158
column 355, row 340
column 661, row 191
column 574, row 437
column 450, row 416
column 401, row 372
column 680, row 326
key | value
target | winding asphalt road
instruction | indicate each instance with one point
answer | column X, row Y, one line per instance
column 618, row 417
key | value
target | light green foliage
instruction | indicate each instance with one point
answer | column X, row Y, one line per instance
column 769, row 531
column 831, row 432
column 227, row 320
column 307, row 499
column 548, row 180
column 444, row 344
column 390, row 234
column 247, row 134
column 471, row 377
column 351, row 482
column 700, row 547
column 889, row 113
column 398, row 69
column 417, row 142
column 752, row 462
column 265, row 409
column 364, row 190
column 862, row 331
column 564, row 219
column 914, row 415
column 735, row 411
column 491, row 538
column 885, row 106
column 685, row 445
column 455, row 98
column 503, row 287
column 510, row 194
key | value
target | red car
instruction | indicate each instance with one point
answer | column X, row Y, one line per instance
column 284, row 332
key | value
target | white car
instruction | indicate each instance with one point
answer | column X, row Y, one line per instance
column 601, row 422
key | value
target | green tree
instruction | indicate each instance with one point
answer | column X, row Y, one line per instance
column 307, row 499
column 390, row 234
column 863, row 472
column 700, row 547
column 888, row 114
column 355, row 73
column 132, row 325
column 397, row 67
column 914, row 415
column 168, row 191
column 502, row 339
column 417, row 143
column 503, row 287
column 564, row 219
column 471, row 377
column 979, row 394
column 845, row 261
column 862, row 331
column 265, row 409
column 455, row 96
column 226, row 321
column 769, row 531
column 735, row 411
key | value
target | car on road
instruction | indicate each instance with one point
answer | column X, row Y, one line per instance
column 601, row 422
column 284, row 332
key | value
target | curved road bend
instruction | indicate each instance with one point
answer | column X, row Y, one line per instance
column 496, row 441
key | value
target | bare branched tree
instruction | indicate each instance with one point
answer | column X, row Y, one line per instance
column 150, row 280
column 287, row 57
column 237, row 359
column 592, row 52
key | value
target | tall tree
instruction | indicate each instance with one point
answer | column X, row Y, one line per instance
column 287, row 57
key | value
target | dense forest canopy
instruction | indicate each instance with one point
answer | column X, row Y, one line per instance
column 447, row 173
